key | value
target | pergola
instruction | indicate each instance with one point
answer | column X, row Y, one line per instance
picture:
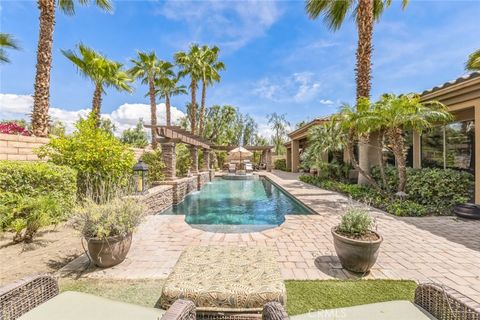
column 168, row 136
column 266, row 152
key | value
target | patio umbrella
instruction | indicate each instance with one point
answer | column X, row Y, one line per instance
column 239, row 153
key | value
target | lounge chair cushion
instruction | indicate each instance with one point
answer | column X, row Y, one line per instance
column 76, row 305
column 391, row 310
column 225, row 278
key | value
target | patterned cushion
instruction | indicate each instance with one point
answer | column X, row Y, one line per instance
column 219, row 278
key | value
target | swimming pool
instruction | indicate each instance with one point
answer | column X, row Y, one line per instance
column 237, row 206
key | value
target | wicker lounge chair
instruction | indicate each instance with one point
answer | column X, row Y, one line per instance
column 432, row 301
column 248, row 168
column 37, row 298
column 232, row 168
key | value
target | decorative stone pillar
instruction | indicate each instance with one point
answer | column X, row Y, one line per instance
column 289, row 159
column 417, row 149
column 269, row 160
column 206, row 160
column 295, row 155
column 194, row 156
column 169, row 157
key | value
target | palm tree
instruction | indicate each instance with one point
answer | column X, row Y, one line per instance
column 473, row 62
column 210, row 74
column 6, row 42
column 103, row 73
column 396, row 114
column 41, row 101
column 167, row 87
column 366, row 12
column 147, row 67
column 190, row 64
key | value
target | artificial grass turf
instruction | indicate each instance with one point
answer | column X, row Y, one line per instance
column 302, row 296
column 306, row 296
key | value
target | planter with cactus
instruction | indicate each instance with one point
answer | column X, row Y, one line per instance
column 356, row 244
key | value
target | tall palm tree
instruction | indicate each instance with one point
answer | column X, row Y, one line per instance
column 210, row 74
column 102, row 71
column 190, row 64
column 41, row 101
column 6, row 42
column 167, row 87
column 366, row 12
column 473, row 62
column 147, row 67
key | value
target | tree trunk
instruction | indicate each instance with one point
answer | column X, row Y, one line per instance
column 202, row 109
column 363, row 71
column 193, row 107
column 167, row 106
column 381, row 164
column 153, row 112
column 398, row 148
column 41, row 100
column 97, row 103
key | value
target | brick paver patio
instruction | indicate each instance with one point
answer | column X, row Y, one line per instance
column 438, row 249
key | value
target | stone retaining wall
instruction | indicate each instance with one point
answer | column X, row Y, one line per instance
column 203, row 178
column 157, row 199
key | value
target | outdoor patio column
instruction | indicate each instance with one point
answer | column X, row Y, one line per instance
column 289, row 159
column 194, row 156
column 417, row 150
column 169, row 157
column 295, row 155
column 477, row 153
column 269, row 160
column 206, row 160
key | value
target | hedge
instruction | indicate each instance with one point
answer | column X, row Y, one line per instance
column 38, row 179
column 280, row 164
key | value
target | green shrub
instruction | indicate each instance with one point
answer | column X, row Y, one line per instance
column 439, row 189
column 184, row 159
column 24, row 215
column 155, row 165
column 31, row 179
column 34, row 195
column 356, row 222
column 280, row 164
column 95, row 153
column 407, row 208
column 119, row 216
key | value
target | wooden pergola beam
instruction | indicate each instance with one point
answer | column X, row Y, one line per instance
column 179, row 135
column 250, row 148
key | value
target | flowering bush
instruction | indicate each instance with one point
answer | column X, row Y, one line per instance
column 13, row 128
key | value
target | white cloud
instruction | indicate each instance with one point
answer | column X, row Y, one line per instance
column 232, row 24
column 326, row 101
column 14, row 103
column 124, row 117
column 299, row 87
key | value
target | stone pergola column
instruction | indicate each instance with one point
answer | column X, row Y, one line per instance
column 269, row 160
column 169, row 157
column 194, row 156
column 206, row 160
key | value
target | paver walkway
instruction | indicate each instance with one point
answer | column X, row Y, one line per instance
column 438, row 249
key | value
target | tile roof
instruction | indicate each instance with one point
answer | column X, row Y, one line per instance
column 461, row 79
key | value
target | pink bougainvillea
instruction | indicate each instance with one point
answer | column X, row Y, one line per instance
column 13, row 128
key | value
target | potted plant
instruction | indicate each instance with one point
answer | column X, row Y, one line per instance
column 107, row 228
column 355, row 242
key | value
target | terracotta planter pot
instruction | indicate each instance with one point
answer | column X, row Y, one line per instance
column 356, row 255
column 110, row 251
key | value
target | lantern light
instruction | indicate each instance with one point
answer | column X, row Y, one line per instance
column 140, row 172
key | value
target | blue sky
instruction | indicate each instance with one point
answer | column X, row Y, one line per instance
column 277, row 59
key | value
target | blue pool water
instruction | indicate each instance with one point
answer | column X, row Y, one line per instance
column 237, row 205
